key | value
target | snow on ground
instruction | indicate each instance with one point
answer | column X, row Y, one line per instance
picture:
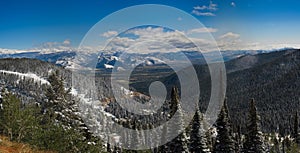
column 89, row 101
column 94, row 115
column 107, row 66
column 27, row 75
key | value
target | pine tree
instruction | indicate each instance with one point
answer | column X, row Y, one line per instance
column 296, row 129
column 224, row 141
column 163, row 148
column 17, row 121
column 10, row 114
column 237, row 139
column 198, row 140
column 58, row 97
column 178, row 144
column 60, row 113
column 253, row 142
column 135, row 136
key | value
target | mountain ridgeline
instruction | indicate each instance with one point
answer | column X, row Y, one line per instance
column 273, row 79
column 266, row 124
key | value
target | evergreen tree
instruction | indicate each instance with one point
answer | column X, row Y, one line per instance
column 10, row 114
column 58, row 97
column 237, row 139
column 17, row 121
column 198, row 140
column 253, row 142
column 135, row 136
column 163, row 148
column 224, row 141
column 60, row 115
column 296, row 129
column 178, row 144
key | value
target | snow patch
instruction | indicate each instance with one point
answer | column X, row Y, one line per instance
column 107, row 66
column 27, row 75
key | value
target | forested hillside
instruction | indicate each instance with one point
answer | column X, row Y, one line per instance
column 271, row 78
column 260, row 113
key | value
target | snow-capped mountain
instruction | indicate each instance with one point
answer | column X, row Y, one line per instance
column 59, row 58
column 106, row 60
column 121, row 60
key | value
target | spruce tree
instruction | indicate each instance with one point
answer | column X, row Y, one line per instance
column 58, row 97
column 296, row 129
column 178, row 144
column 60, row 112
column 10, row 114
column 198, row 142
column 224, row 141
column 16, row 120
column 135, row 136
column 163, row 139
column 253, row 142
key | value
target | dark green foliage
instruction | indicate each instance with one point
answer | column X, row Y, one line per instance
column 50, row 127
column 17, row 121
column 296, row 129
column 253, row 142
column 224, row 141
column 163, row 148
column 272, row 78
column 198, row 142
column 60, row 115
column 178, row 144
column 275, row 148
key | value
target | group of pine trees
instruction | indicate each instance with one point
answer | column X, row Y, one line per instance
column 51, row 125
column 199, row 138
column 229, row 141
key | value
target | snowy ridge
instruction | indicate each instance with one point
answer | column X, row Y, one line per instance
column 94, row 115
column 27, row 75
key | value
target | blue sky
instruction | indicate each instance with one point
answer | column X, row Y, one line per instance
column 32, row 23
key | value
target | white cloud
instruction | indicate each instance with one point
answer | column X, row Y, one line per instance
column 265, row 46
column 229, row 40
column 232, row 4
column 157, row 39
column 48, row 47
column 200, row 7
column 202, row 30
column 109, row 34
column 229, row 35
column 198, row 13
column 67, row 42
column 179, row 19
column 12, row 51
column 205, row 10
column 210, row 7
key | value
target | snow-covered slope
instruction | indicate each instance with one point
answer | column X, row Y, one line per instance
column 59, row 58
column 27, row 75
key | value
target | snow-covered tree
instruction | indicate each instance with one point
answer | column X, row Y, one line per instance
column 224, row 141
column 253, row 142
column 198, row 142
column 296, row 129
column 179, row 144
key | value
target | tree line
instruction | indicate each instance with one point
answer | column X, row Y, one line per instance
column 50, row 125
column 222, row 137
column 53, row 124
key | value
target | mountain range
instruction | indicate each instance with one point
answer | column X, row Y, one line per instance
column 272, row 78
column 106, row 60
